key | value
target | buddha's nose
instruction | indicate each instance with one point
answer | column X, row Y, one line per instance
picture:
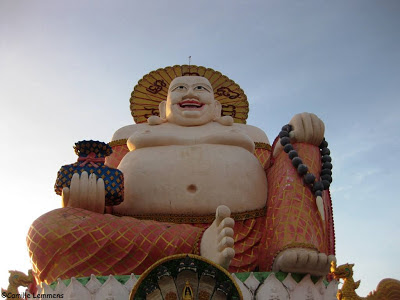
column 190, row 94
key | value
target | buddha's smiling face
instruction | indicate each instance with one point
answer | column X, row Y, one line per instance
column 191, row 102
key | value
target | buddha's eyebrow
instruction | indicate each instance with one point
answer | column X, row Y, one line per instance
column 177, row 84
column 203, row 84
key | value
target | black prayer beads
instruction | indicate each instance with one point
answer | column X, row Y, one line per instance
column 310, row 179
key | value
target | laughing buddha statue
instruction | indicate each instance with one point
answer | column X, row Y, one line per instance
column 196, row 180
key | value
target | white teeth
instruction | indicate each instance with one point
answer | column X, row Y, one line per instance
column 190, row 105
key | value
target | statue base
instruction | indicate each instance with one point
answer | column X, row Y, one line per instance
column 254, row 285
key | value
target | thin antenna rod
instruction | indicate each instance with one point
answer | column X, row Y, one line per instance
column 190, row 58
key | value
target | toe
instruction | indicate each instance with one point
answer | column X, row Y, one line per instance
column 289, row 259
column 313, row 260
column 331, row 258
column 226, row 242
column 302, row 259
column 226, row 223
column 228, row 253
column 322, row 261
column 227, row 231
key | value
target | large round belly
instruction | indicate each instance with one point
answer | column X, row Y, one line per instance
column 191, row 180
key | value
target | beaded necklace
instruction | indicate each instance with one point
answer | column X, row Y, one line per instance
column 310, row 179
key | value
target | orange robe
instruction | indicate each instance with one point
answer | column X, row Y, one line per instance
column 71, row 242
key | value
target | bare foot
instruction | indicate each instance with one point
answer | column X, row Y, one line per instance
column 217, row 242
column 299, row 260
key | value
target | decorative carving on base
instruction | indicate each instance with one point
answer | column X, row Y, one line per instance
column 253, row 286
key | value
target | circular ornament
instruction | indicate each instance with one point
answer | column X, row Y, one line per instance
column 186, row 276
column 153, row 89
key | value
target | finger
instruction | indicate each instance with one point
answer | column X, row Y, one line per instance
column 74, row 191
column 319, row 129
column 222, row 212
column 83, row 189
column 322, row 131
column 225, row 232
column 297, row 134
column 64, row 197
column 92, row 190
column 308, row 128
column 226, row 242
column 100, row 196
column 316, row 129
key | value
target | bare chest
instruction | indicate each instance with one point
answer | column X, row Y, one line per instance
column 154, row 136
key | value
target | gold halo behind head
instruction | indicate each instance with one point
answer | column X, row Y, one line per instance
column 153, row 88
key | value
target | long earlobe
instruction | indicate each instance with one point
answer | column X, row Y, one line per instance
column 218, row 109
column 163, row 110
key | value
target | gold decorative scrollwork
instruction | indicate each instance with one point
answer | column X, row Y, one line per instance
column 228, row 110
column 156, row 87
column 153, row 112
column 224, row 91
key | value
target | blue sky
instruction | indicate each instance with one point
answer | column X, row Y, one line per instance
column 67, row 69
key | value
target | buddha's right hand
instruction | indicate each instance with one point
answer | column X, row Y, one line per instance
column 85, row 192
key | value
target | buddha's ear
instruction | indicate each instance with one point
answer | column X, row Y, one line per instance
column 217, row 110
column 163, row 110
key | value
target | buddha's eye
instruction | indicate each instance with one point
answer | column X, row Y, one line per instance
column 180, row 88
column 199, row 88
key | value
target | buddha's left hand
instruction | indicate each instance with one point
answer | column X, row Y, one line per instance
column 307, row 128
column 86, row 191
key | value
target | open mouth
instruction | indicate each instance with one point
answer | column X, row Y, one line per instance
column 191, row 104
